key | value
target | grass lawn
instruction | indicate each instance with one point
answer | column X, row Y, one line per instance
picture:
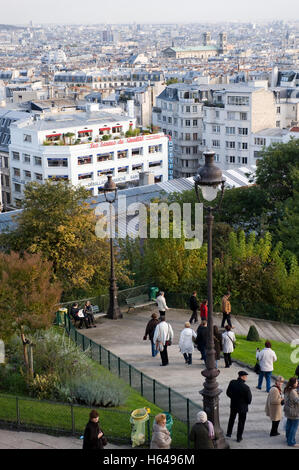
column 245, row 351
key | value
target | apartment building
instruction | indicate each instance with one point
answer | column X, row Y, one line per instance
column 234, row 114
column 104, row 79
column 216, row 117
column 83, row 148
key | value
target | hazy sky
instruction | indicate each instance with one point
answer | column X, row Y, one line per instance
column 144, row 11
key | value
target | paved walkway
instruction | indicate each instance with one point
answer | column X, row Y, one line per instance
column 34, row 440
column 124, row 338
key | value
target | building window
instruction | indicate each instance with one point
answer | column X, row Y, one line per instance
column 58, row 177
column 38, row 176
column 17, row 188
column 187, row 136
column 169, row 120
column 110, row 171
column 187, row 122
column 278, row 110
column 85, row 160
column 57, row 162
column 230, row 145
column 17, row 172
column 137, row 151
column 188, row 150
column 85, row 176
column 27, row 138
column 27, row 174
column 259, row 141
column 231, row 115
column 123, row 169
column 138, row 166
column 243, row 130
column 215, row 129
column 244, row 160
column 122, row 153
column 103, row 157
column 15, row 155
column 195, row 136
column 231, row 159
column 155, row 148
column 256, row 154
column 243, row 116
column 194, row 109
column 277, row 123
column 37, row 161
column 230, row 130
column 26, row 158
column 215, row 143
column 217, row 157
column 154, row 164
column 238, row 100
column 194, row 122
column 188, row 109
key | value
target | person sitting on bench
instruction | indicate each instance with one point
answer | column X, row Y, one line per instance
column 75, row 315
column 89, row 314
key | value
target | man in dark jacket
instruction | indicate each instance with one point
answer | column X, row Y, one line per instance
column 241, row 397
column 201, row 339
column 194, row 306
column 93, row 434
column 150, row 330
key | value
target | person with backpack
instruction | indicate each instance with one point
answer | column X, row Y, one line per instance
column 194, row 306
column 150, row 331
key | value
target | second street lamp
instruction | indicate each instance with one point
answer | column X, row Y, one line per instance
column 110, row 191
column 208, row 179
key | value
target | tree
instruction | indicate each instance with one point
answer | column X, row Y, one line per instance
column 58, row 223
column 28, row 297
column 274, row 171
column 288, row 227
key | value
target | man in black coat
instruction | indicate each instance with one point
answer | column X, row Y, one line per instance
column 194, row 306
column 241, row 397
column 202, row 338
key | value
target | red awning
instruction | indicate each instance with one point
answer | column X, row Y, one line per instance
column 53, row 135
column 80, row 132
column 105, row 128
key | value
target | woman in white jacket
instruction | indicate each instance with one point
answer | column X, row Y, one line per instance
column 186, row 343
column 228, row 342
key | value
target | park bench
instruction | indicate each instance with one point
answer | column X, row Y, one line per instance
column 95, row 311
column 139, row 301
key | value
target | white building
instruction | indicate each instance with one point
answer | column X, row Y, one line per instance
column 74, row 147
column 218, row 117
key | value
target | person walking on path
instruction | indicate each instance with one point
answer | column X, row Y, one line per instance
column 93, row 434
column 202, row 432
column 291, row 411
column 274, row 405
column 150, row 330
column 228, row 342
column 217, row 344
column 266, row 357
column 204, row 310
column 162, row 307
column 241, row 397
column 186, row 343
column 194, row 306
column 226, row 310
column 201, row 339
column 163, row 337
column 160, row 436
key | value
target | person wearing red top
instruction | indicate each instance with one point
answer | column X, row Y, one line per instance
column 204, row 310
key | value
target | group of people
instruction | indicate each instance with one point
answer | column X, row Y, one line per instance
column 84, row 316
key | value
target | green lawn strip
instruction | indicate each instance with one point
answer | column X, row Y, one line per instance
column 245, row 351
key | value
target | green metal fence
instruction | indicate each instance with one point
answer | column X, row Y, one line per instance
column 164, row 397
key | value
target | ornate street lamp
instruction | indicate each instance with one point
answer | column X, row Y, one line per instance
column 110, row 191
column 208, row 179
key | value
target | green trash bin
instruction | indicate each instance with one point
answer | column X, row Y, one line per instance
column 60, row 316
column 169, row 421
column 153, row 291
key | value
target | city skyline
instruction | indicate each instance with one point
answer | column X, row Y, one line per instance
column 166, row 12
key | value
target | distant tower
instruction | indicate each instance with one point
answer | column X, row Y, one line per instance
column 206, row 38
column 222, row 43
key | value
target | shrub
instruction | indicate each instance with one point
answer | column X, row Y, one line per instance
column 12, row 381
column 253, row 334
column 44, row 387
column 95, row 391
